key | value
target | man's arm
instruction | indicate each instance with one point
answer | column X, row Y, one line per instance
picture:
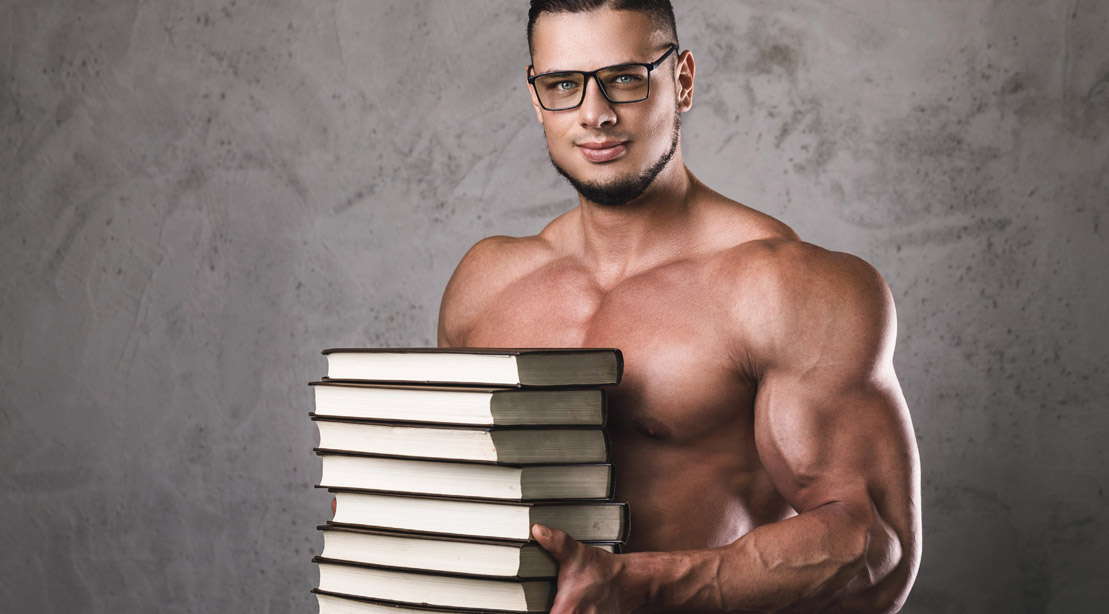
column 492, row 265
column 474, row 280
column 833, row 432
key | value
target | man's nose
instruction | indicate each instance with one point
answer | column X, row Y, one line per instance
column 596, row 110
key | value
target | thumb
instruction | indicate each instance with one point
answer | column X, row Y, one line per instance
column 556, row 542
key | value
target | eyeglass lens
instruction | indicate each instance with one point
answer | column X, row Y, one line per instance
column 619, row 83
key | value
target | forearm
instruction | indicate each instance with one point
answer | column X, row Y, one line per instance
column 823, row 559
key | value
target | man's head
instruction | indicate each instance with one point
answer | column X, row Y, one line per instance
column 660, row 12
column 609, row 149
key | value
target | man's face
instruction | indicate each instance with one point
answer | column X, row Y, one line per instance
column 610, row 152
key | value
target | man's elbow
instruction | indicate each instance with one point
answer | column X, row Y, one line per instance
column 885, row 566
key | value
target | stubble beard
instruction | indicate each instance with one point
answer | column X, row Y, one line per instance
column 622, row 190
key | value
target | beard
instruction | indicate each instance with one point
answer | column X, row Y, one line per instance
column 623, row 190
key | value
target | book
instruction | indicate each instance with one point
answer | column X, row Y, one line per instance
column 421, row 588
column 441, row 460
column 460, row 405
column 471, row 556
column 601, row 521
column 466, row 479
column 335, row 603
column 481, row 366
column 512, row 445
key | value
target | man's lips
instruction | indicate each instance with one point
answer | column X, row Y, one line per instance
column 602, row 151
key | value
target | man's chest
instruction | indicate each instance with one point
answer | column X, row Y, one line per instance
column 682, row 377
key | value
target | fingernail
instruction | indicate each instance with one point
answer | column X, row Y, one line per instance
column 544, row 531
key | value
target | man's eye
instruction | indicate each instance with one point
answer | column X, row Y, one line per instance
column 564, row 86
column 625, row 80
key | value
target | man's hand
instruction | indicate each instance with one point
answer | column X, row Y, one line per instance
column 590, row 580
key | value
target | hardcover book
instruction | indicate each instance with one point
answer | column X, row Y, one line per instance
column 337, row 603
column 511, row 445
column 508, row 520
column 472, row 556
column 437, row 590
column 460, row 405
column 466, row 479
column 440, row 462
column 483, row 366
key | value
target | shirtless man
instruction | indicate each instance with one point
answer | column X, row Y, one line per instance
column 760, row 435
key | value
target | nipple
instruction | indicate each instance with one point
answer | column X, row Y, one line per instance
column 652, row 428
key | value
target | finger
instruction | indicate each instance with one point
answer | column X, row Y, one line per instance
column 560, row 545
column 333, row 507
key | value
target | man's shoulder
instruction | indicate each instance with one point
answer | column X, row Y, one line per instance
column 787, row 256
column 489, row 267
column 780, row 289
column 499, row 260
column 789, row 269
column 786, row 288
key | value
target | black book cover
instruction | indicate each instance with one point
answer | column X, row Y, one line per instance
column 412, row 606
column 625, row 516
column 468, row 539
column 618, row 355
column 353, row 383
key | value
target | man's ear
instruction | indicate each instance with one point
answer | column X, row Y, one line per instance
column 684, row 80
column 534, row 99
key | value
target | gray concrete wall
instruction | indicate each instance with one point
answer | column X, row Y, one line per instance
column 198, row 196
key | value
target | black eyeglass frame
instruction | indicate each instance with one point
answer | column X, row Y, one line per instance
column 588, row 76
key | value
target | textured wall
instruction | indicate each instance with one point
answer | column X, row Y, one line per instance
column 198, row 196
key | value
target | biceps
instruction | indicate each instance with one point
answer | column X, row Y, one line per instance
column 823, row 440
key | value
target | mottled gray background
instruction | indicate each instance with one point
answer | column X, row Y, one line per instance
column 199, row 196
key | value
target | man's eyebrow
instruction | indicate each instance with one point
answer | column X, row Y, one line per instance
column 557, row 70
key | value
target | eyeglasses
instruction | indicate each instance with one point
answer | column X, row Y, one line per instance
column 620, row 83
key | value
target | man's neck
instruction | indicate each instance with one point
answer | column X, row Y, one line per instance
column 618, row 242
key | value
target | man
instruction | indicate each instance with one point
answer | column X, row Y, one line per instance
column 760, row 435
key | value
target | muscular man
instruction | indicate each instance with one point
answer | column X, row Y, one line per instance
column 760, row 435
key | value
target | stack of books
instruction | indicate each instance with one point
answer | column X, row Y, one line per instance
column 440, row 460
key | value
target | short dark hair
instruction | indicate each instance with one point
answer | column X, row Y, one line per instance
column 660, row 11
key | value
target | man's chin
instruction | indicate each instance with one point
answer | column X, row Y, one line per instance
column 619, row 189
column 623, row 189
column 613, row 193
